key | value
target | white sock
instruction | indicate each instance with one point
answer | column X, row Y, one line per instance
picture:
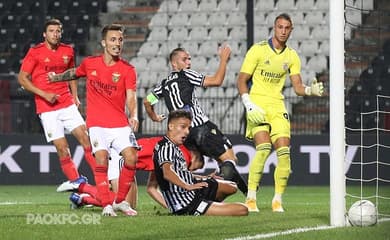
column 277, row 197
column 251, row 194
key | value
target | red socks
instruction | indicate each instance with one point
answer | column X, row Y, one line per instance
column 89, row 158
column 102, row 186
column 126, row 178
column 90, row 200
column 88, row 188
column 68, row 168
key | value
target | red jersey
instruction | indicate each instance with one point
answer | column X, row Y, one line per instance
column 145, row 155
column 106, row 91
column 38, row 62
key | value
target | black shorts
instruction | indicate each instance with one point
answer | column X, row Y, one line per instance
column 208, row 140
column 203, row 199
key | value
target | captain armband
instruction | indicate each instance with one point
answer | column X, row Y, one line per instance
column 152, row 99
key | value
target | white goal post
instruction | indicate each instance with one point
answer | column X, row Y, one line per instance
column 337, row 123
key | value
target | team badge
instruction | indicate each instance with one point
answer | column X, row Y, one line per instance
column 285, row 66
column 49, row 134
column 66, row 59
column 213, row 131
column 267, row 62
column 46, row 60
column 94, row 73
column 115, row 77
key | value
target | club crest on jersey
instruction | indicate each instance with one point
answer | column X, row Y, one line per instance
column 66, row 59
column 285, row 66
column 115, row 77
column 95, row 143
column 46, row 60
column 94, row 73
column 267, row 62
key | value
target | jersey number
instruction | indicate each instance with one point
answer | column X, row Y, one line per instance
column 174, row 95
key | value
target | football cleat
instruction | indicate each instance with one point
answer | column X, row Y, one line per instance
column 277, row 206
column 251, row 205
column 76, row 200
column 125, row 208
column 70, row 186
column 108, row 211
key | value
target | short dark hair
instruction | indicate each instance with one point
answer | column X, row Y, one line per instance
column 53, row 21
column 284, row 16
column 175, row 52
column 112, row 27
column 179, row 114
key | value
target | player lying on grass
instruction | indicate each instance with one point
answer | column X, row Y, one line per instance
column 184, row 192
column 145, row 163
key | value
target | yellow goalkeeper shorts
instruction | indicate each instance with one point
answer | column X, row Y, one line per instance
column 276, row 116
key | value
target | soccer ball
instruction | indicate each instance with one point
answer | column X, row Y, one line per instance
column 362, row 213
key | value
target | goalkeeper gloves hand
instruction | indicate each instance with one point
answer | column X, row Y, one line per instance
column 254, row 113
column 315, row 89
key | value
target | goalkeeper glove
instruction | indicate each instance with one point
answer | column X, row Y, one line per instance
column 254, row 113
column 315, row 89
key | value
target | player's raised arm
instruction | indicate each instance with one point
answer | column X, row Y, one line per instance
column 68, row 75
column 217, row 79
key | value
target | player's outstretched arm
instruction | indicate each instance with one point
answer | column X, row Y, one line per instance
column 315, row 89
column 68, row 75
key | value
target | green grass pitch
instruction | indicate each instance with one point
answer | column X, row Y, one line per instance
column 306, row 207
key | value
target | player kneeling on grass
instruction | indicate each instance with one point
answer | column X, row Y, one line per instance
column 184, row 192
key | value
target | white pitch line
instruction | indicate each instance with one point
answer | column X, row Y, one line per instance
column 15, row 203
column 287, row 232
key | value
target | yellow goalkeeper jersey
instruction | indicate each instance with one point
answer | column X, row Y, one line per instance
column 269, row 68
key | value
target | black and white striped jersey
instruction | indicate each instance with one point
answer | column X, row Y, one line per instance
column 179, row 92
column 176, row 197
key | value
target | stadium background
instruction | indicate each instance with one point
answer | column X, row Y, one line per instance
column 155, row 27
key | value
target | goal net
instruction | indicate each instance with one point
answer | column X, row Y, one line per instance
column 368, row 175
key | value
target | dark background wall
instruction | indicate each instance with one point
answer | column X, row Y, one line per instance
column 28, row 159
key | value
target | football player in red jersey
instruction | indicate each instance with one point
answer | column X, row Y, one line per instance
column 111, row 86
column 56, row 104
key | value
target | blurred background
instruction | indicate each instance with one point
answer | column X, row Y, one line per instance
column 155, row 27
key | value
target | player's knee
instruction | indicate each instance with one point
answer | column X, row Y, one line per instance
column 63, row 152
column 233, row 188
column 241, row 210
